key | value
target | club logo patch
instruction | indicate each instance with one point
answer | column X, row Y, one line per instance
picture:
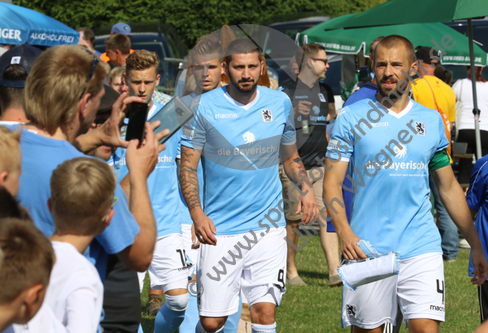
column 267, row 115
column 249, row 138
column 15, row 60
column 316, row 110
column 420, row 128
column 400, row 152
column 351, row 310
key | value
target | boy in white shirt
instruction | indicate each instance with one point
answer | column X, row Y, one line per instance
column 28, row 258
column 82, row 200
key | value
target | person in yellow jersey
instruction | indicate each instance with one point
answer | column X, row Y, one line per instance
column 433, row 93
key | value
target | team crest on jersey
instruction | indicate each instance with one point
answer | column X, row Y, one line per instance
column 420, row 128
column 267, row 115
column 351, row 310
column 249, row 137
column 400, row 153
column 316, row 110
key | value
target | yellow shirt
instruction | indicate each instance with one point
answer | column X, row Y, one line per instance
column 444, row 95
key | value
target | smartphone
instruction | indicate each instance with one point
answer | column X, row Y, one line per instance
column 137, row 119
column 172, row 116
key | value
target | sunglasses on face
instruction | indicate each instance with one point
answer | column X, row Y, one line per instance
column 325, row 61
column 111, row 207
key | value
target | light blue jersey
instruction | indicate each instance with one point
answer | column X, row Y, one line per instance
column 162, row 183
column 40, row 156
column 389, row 156
column 241, row 146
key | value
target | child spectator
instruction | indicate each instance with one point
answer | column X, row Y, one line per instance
column 10, row 160
column 24, row 274
column 82, row 200
column 114, row 79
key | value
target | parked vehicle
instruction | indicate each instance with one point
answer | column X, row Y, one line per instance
column 170, row 63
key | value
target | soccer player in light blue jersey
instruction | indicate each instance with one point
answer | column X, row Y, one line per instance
column 391, row 143
column 206, row 67
column 168, row 269
column 239, row 132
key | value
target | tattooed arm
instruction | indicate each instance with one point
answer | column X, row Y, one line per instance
column 204, row 227
column 295, row 170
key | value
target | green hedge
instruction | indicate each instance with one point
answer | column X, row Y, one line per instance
column 190, row 19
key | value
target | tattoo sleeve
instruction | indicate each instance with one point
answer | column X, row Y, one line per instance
column 295, row 170
column 189, row 179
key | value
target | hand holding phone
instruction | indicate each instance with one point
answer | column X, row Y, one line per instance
column 172, row 116
column 137, row 119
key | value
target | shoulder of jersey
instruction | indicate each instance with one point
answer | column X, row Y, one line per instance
column 324, row 85
column 213, row 94
column 273, row 93
column 212, row 97
column 357, row 109
column 289, row 84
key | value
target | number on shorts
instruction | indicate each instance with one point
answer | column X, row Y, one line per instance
column 439, row 290
column 182, row 257
column 281, row 278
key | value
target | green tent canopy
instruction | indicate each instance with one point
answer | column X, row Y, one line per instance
column 352, row 41
column 415, row 11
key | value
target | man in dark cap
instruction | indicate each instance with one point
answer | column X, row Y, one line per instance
column 119, row 28
column 15, row 65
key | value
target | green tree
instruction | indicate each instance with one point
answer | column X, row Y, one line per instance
column 190, row 18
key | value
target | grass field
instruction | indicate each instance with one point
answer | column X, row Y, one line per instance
column 316, row 307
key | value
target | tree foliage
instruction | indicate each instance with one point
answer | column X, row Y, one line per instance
column 190, row 18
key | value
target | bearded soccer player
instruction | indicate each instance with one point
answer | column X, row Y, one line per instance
column 392, row 143
column 206, row 67
column 239, row 132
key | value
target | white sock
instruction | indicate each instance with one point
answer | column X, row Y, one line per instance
column 257, row 328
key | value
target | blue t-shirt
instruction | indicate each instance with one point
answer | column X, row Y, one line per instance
column 162, row 183
column 240, row 157
column 369, row 90
column 391, row 208
column 478, row 200
column 40, row 156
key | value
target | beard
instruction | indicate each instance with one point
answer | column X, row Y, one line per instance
column 249, row 90
column 392, row 93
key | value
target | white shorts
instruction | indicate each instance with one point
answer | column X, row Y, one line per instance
column 259, row 269
column 169, row 266
column 192, row 254
column 418, row 290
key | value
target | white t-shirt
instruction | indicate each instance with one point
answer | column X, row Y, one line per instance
column 464, row 93
column 44, row 321
column 75, row 292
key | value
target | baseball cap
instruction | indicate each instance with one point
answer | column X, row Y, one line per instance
column 24, row 55
column 121, row 28
column 424, row 53
column 108, row 99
